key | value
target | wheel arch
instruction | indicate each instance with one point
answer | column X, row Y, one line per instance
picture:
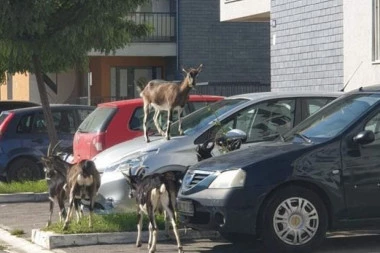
column 305, row 184
column 26, row 156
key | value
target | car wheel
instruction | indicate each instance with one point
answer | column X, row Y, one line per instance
column 295, row 220
column 23, row 169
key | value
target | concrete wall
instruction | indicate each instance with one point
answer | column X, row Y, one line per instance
column 244, row 10
column 229, row 51
column 358, row 45
column 307, row 44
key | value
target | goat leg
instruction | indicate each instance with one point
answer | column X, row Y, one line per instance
column 156, row 123
column 51, row 208
column 139, row 227
column 152, row 219
column 146, row 112
column 150, row 235
column 170, row 120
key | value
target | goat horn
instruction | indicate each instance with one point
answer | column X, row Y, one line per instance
column 55, row 146
column 48, row 153
column 139, row 171
column 200, row 68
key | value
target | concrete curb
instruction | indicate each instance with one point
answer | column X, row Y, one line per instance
column 17, row 244
column 50, row 240
column 23, row 197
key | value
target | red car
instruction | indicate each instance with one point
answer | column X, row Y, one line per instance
column 114, row 122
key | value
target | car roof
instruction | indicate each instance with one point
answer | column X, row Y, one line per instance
column 139, row 101
column 283, row 94
column 37, row 108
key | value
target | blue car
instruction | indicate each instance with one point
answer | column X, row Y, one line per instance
column 24, row 138
column 322, row 175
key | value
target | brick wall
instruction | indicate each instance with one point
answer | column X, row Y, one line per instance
column 308, row 49
column 230, row 52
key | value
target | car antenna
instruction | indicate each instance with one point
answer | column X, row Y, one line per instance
column 344, row 87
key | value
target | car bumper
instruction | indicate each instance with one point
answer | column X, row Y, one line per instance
column 225, row 210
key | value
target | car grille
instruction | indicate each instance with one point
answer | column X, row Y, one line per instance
column 195, row 177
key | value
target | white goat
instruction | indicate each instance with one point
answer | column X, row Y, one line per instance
column 168, row 96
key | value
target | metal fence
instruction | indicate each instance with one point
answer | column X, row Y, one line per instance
column 163, row 24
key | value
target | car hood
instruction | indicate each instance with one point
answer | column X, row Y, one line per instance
column 119, row 151
column 244, row 157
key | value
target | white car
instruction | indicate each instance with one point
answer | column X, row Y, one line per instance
column 262, row 116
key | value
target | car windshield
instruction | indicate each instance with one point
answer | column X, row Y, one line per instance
column 98, row 120
column 198, row 119
column 333, row 119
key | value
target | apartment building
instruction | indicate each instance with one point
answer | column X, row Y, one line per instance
column 316, row 44
column 235, row 56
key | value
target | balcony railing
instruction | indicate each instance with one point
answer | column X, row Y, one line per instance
column 163, row 23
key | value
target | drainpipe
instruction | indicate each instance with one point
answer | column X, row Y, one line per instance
column 178, row 77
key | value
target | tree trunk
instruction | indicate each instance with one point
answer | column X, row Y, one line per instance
column 52, row 133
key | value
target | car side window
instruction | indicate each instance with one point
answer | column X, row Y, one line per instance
column 25, row 124
column 374, row 125
column 198, row 105
column 64, row 121
column 263, row 121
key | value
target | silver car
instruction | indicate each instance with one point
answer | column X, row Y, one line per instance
column 262, row 116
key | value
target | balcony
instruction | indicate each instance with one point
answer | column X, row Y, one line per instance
column 245, row 10
column 163, row 23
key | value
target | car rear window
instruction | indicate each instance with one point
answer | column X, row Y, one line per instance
column 98, row 120
column 3, row 116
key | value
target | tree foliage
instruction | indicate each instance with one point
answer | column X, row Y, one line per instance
column 47, row 36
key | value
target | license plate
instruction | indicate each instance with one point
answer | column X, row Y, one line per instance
column 185, row 207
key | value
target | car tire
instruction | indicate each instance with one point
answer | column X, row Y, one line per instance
column 295, row 220
column 23, row 169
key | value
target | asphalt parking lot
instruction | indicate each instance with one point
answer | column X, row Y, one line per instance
column 26, row 216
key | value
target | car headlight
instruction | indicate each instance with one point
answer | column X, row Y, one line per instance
column 229, row 179
column 132, row 161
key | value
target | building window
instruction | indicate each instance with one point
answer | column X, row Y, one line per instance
column 376, row 31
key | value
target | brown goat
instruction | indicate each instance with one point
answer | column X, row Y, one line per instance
column 168, row 96
column 83, row 182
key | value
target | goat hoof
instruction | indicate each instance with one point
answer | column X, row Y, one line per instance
column 138, row 245
column 180, row 249
column 65, row 226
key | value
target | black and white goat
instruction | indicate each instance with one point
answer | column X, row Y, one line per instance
column 152, row 193
column 168, row 96
column 55, row 173
column 83, row 182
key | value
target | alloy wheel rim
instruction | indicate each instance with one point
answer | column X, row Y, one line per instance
column 296, row 221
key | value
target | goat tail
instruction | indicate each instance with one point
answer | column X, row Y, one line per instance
column 162, row 188
column 140, row 84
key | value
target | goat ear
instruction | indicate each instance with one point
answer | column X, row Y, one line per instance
column 184, row 70
column 199, row 69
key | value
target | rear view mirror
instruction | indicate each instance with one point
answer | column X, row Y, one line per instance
column 364, row 137
column 232, row 140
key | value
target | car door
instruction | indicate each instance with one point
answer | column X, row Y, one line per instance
column 361, row 171
column 64, row 122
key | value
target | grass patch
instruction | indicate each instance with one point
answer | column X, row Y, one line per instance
column 17, row 232
column 26, row 186
column 2, row 247
column 118, row 222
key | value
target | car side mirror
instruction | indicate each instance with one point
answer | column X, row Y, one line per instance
column 236, row 134
column 364, row 137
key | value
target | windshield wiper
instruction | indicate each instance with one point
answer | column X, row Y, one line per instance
column 303, row 137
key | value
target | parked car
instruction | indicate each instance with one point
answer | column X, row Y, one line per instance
column 322, row 175
column 15, row 104
column 24, row 139
column 114, row 122
column 263, row 116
